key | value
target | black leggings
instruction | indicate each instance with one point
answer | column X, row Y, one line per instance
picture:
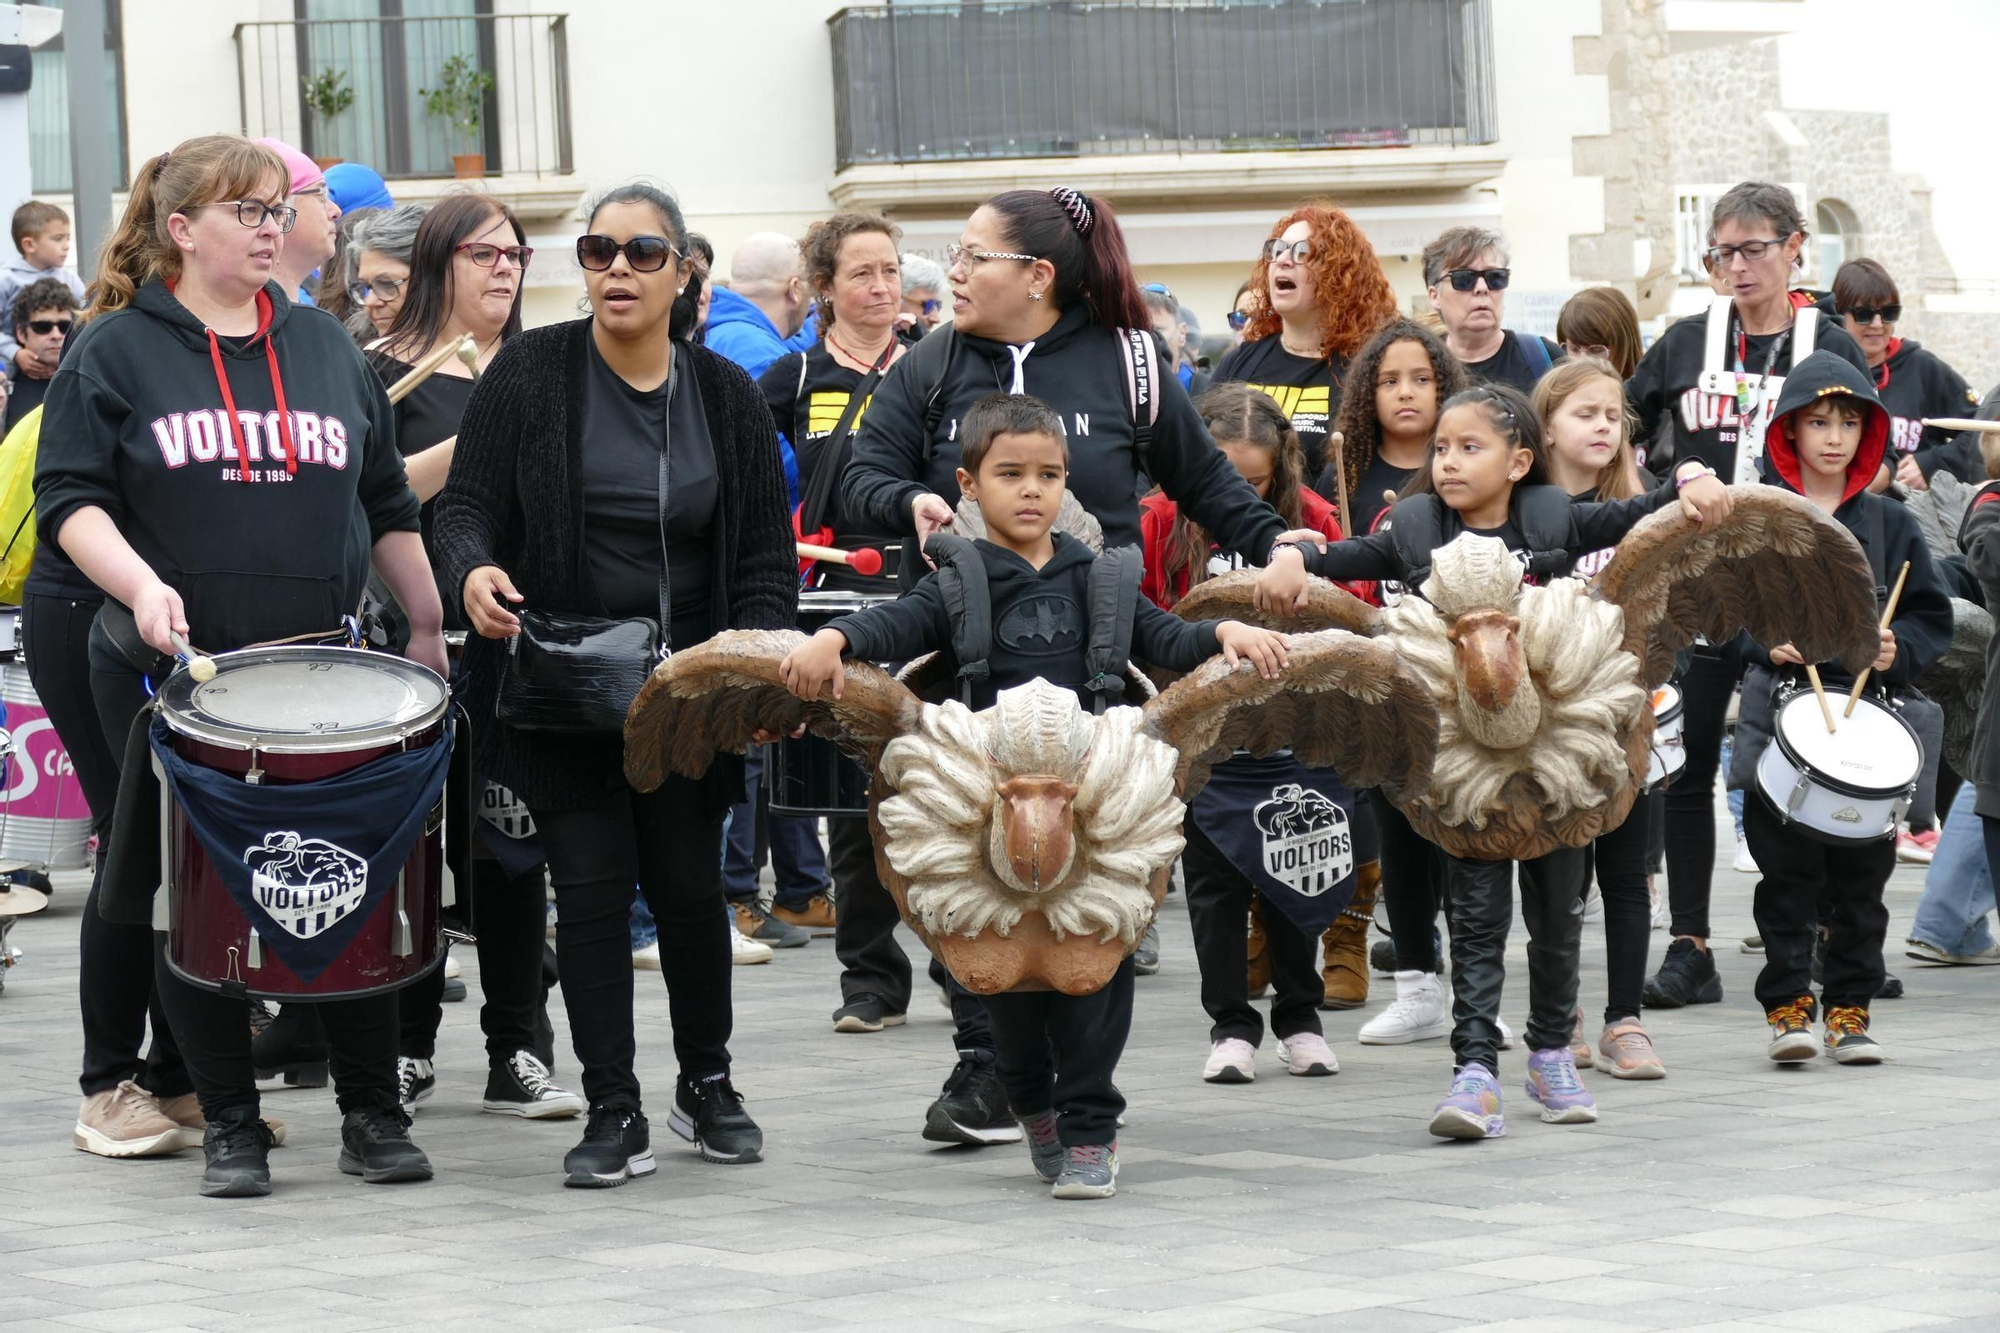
column 1218, row 903
column 1060, row 1052
column 1619, row 858
column 1705, row 690
column 1413, row 887
column 509, row 923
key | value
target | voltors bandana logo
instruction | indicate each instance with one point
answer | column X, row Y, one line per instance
column 1307, row 843
column 306, row 885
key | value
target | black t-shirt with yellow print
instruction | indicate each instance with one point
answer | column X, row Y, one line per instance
column 1306, row 388
column 808, row 394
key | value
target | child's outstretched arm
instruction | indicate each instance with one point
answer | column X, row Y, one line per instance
column 1281, row 588
column 815, row 664
column 1262, row 648
column 1702, row 496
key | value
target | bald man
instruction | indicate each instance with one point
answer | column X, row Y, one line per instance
column 763, row 305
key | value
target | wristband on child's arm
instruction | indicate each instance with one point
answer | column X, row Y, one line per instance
column 1681, row 479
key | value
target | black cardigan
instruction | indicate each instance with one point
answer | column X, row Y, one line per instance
column 515, row 499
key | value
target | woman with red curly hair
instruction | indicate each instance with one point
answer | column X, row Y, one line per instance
column 1316, row 295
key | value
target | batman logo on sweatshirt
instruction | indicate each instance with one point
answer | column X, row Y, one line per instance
column 1040, row 626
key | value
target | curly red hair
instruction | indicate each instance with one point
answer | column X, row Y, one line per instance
column 1351, row 292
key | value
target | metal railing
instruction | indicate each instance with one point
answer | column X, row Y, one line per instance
column 1064, row 78
column 524, row 125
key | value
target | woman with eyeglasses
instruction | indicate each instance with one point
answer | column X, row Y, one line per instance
column 378, row 255
column 1466, row 276
column 222, row 464
column 1912, row 381
column 1316, row 295
column 1043, row 303
column 1717, row 394
column 614, row 470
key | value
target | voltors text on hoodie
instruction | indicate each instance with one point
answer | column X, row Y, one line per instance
column 204, row 437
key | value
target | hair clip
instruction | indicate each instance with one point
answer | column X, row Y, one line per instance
column 1077, row 205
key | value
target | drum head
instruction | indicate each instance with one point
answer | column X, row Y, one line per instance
column 838, row 602
column 1666, row 700
column 304, row 700
column 1873, row 751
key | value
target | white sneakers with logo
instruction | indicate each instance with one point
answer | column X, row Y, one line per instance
column 1421, row 1011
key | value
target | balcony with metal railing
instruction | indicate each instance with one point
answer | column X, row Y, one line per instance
column 1392, row 93
column 513, row 67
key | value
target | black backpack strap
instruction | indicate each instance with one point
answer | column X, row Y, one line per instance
column 1142, row 388
column 1415, row 527
column 929, row 351
column 835, row 453
column 968, row 603
column 1542, row 513
column 1113, row 594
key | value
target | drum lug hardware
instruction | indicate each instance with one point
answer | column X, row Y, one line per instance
column 1798, row 797
column 402, row 940
column 254, row 958
column 235, row 974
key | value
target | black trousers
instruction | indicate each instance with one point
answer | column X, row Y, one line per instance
column 1799, row 874
column 1481, row 903
column 1413, row 887
column 510, row 925
column 1060, row 1052
column 1218, row 903
column 1705, row 690
column 115, row 991
column 667, row 843
column 1619, row 859
column 864, row 940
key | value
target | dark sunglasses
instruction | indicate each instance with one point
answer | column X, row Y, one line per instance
column 1865, row 314
column 1161, row 289
column 1239, row 320
column 933, row 305
column 1465, row 279
column 48, row 326
column 646, row 254
column 486, row 256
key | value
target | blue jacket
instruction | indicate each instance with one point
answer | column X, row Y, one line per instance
column 738, row 330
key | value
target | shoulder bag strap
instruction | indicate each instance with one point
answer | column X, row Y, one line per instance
column 1142, row 389
column 666, row 447
column 832, row 460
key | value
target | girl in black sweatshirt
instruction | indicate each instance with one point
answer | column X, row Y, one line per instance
column 223, row 463
column 1488, row 477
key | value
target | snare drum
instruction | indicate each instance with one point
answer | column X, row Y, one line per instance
column 1850, row 785
column 1669, row 752
column 289, row 715
column 44, row 820
column 808, row 776
column 10, row 634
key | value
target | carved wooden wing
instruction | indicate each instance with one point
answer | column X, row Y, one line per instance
column 1328, row 606
column 1957, row 680
column 1344, row 702
column 1777, row 567
column 714, row 696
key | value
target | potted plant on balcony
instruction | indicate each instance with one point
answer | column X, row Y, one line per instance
column 327, row 93
column 458, row 100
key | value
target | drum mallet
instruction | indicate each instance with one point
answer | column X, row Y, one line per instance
column 1888, row 614
column 866, row 561
column 1962, row 423
column 201, row 668
column 1819, row 693
column 1336, row 445
column 468, row 354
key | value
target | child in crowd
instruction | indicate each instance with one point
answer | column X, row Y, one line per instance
column 1582, row 406
column 1249, row 426
column 1826, row 441
column 1387, row 413
column 1057, row 1053
column 1489, row 477
column 41, row 234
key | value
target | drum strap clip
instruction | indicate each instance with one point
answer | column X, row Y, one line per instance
column 402, row 940
column 232, row 985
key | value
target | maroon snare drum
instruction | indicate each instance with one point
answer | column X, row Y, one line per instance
column 288, row 715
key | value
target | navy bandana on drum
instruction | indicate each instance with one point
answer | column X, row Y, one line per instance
column 308, row 863
column 1288, row 829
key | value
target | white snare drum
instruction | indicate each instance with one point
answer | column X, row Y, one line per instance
column 1851, row 785
column 1669, row 754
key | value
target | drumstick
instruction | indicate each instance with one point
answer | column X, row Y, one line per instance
column 1888, row 614
column 1962, row 423
column 1336, row 442
column 1819, row 692
column 201, row 668
column 427, row 367
column 866, row 561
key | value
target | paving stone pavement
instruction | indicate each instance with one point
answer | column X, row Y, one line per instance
column 1729, row 1196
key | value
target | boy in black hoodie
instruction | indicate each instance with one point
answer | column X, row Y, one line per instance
column 1827, row 439
column 1014, row 465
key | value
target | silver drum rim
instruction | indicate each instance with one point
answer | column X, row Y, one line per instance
column 424, row 699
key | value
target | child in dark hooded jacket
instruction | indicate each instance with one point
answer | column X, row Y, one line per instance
column 1827, row 439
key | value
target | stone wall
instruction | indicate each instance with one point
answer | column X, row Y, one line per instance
column 1634, row 160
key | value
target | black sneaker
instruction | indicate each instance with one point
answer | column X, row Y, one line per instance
column 416, row 1080
column 1382, row 956
column 520, row 1085
column 1687, row 976
column 972, row 1109
column 757, row 924
column 238, row 1149
column 375, row 1145
column 710, row 1115
column 1146, row 958
column 454, row 990
column 1892, row 987
column 292, row 1045
column 616, row 1147
column 865, row 1013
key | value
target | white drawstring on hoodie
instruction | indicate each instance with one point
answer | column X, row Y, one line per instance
column 1020, row 361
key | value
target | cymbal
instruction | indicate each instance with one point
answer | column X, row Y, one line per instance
column 16, row 900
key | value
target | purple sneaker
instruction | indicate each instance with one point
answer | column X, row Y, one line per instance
column 1552, row 1081
column 1472, row 1111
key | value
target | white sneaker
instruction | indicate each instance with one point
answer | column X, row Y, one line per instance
column 1593, row 901
column 1506, row 1034
column 1421, row 1011
column 1232, row 1060
column 452, row 971
column 742, row 949
column 647, row 959
column 1657, row 896
column 1745, row 863
column 1307, row 1055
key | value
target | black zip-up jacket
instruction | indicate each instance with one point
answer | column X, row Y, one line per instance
column 1923, row 614
column 1666, row 385
column 1041, row 626
column 1921, row 385
column 1079, row 369
column 135, row 424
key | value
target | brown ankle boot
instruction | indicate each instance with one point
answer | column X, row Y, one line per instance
column 1255, row 952
column 1345, row 972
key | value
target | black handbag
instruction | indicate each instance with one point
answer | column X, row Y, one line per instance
column 576, row 673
